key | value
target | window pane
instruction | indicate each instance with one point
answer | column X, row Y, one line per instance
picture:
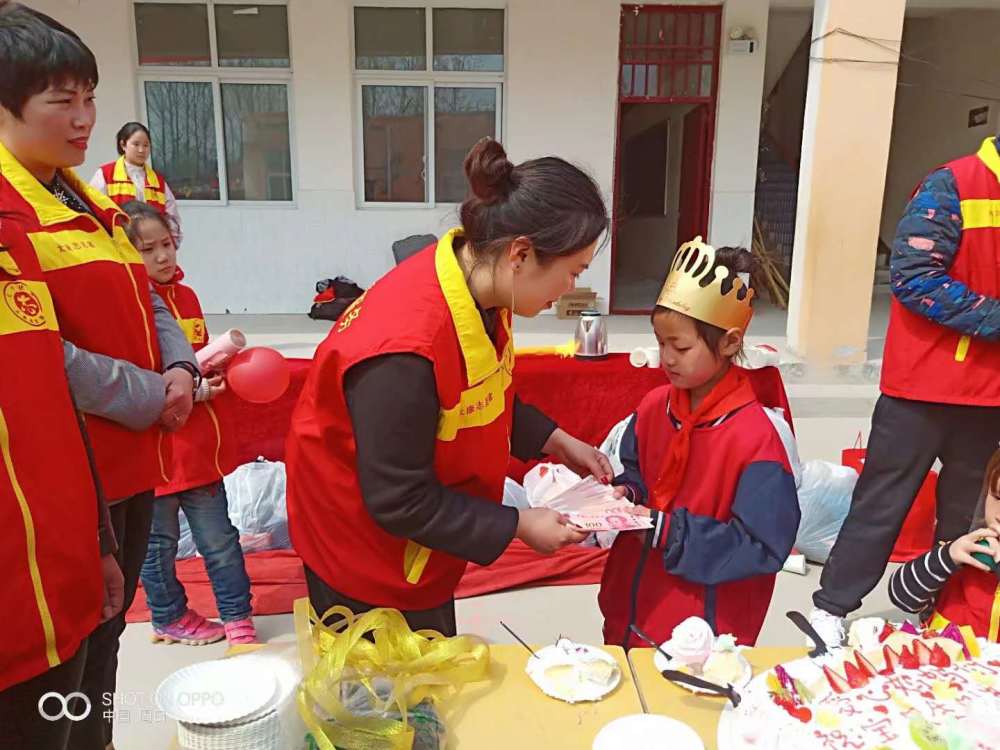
column 182, row 122
column 390, row 39
column 172, row 34
column 461, row 117
column 393, row 125
column 468, row 39
column 255, row 128
column 252, row 36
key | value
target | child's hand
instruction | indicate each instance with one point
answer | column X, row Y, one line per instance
column 640, row 510
column 962, row 549
column 216, row 385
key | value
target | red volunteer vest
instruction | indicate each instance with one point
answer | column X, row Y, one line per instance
column 423, row 306
column 717, row 460
column 925, row 361
column 201, row 452
column 101, row 295
column 972, row 597
column 51, row 588
column 121, row 189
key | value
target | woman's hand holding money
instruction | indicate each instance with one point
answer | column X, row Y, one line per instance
column 545, row 530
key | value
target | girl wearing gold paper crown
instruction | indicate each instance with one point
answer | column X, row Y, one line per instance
column 703, row 459
column 399, row 445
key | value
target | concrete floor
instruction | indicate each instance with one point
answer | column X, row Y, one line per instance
column 830, row 410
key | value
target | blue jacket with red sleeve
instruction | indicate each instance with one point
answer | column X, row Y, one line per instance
column 714, row 553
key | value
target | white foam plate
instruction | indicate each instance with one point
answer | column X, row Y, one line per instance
column 215, row 692
column 647, row 732
column 552, row 656
column 744, row 679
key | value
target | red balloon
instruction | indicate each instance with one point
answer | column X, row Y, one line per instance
column 258, row 375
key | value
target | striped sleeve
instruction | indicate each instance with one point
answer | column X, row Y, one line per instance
column 914, row 586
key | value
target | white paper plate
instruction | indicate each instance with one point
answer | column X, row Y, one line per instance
column 744, row 679
column 647, row 732
column 215, row 692
column 552, row 656
column 263, row 733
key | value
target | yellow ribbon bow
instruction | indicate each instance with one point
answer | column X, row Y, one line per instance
column 417, row 665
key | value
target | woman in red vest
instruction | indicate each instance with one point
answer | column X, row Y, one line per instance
column 400, row 443
column 131, row 178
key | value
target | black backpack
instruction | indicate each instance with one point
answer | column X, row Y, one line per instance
column 333, row 296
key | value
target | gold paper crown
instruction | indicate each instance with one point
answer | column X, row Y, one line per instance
column 684, row 291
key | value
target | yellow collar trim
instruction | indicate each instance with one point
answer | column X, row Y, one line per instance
column 121, row 174
column 989, row 156
column 477, row 349
column 46, row 206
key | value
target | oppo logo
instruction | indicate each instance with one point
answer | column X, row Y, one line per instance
column 57, row 700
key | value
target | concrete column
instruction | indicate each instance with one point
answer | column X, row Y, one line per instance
column 845, row 150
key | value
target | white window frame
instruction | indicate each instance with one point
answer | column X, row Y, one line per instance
column 429, row 79
column 218, row 75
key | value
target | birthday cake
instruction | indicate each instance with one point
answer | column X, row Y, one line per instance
column 897, row 689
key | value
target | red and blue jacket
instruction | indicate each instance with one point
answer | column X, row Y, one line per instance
column 715, row 552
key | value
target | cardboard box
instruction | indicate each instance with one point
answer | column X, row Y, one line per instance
column 571, row 304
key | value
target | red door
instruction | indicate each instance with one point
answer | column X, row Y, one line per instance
column 693, row 211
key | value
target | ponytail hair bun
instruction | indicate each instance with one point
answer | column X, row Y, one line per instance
column 489, row 172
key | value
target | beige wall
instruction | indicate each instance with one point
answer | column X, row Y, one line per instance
column 737, row 134
column 930, row 126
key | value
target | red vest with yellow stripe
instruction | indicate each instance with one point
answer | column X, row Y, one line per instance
column 101, row 294
column 201, row 454
column 121, row 189
column 51, row 587
column 423, row 307
column 971, row 597
column 926, row 361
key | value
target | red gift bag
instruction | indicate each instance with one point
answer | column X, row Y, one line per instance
column 917, row 534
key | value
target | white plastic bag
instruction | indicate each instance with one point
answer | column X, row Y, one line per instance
column 514, row 495
column 185, row 545
column 612, row 445
column 257, row 505
column 780, row 423
column 824, row 499
column 257, row 508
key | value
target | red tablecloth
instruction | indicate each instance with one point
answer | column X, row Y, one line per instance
column 585, row 397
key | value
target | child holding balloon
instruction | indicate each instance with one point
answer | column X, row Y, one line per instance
column 202, row 456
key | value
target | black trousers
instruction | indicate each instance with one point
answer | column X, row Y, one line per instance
column 322, row 597
column 131, row 519
column 22, row 725
column 906, row 439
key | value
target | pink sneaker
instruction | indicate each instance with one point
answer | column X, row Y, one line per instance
column 192, row 629
column 239, row 632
